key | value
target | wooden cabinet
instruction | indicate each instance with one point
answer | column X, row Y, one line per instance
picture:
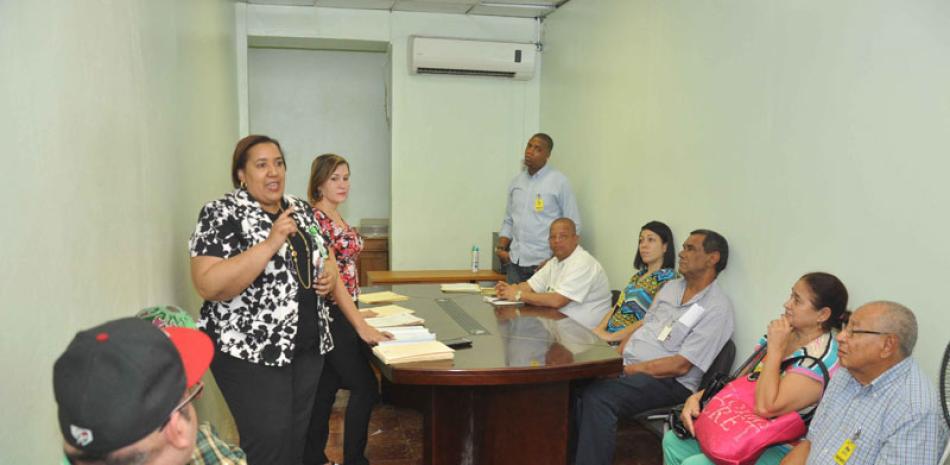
column 374, row 257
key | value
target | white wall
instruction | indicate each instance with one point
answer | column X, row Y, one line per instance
column 118, row 121
column 456, row 141
column 812, row 134
column 319, row 101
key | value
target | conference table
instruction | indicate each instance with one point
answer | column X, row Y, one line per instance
column 505, row 399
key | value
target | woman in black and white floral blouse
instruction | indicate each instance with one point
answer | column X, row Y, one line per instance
column 261, row 264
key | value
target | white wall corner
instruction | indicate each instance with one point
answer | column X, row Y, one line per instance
column 240, row 51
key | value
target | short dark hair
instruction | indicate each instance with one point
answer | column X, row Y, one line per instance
column 666, row 236
column 567, row 220
column 546, row 138
column 134, row 457
column 239, row 159
column 829, row 292
column 714, row 242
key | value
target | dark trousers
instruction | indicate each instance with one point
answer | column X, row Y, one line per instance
column 605, row 401
column 347, row 366
column 516, row 274
column 270, row 405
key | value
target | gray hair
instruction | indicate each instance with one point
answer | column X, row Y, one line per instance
column 901, row 321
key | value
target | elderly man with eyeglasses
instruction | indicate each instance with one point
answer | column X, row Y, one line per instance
column 882, row 409
column 124, row 390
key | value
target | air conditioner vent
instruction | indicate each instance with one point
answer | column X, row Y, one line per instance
column 467, row 72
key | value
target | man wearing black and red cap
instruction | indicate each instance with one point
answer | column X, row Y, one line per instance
column 124, row 391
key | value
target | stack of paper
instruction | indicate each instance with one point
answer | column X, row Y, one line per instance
column 380, row 297
column 489, row 291
column 401, row 319
column 408, row 334
column 413, row 352
column 469, row 288
column 498, row 302
column 385, row 310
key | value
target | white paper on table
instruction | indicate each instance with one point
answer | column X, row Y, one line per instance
column 380, row 297
column 386, row 310
column 499, row 302
column 461, row 287
column 692, row 315
column 402, row 319
column 414, row 352
column 407, row 334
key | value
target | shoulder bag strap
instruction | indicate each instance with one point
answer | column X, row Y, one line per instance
column 824, row 373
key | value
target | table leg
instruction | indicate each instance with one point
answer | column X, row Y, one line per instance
column 496, row 425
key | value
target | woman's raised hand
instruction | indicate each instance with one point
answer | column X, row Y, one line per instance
column 284, row 227
column 778, row 332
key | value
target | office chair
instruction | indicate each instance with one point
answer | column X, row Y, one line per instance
column 654, row 420
column 615, row 297
column 945, row 394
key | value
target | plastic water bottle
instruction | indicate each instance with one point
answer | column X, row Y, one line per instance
column 474, row 259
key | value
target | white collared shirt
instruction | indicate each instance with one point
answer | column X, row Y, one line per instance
column 582, row 280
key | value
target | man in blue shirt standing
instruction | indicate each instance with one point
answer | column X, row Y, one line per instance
column 536, row 197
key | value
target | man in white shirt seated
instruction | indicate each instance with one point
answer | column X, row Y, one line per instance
column 572, row 284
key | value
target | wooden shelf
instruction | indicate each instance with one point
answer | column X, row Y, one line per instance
column 431, row 276
column 374, row 257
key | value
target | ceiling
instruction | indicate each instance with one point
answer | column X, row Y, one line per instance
column 510, row 8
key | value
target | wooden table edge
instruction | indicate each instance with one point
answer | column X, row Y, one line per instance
column 378, row 277
column 410, row 373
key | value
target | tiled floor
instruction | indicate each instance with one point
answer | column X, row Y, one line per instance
column 637, row 446
column 395, row 435
column 395, row 438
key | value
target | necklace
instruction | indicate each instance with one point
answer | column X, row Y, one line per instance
column 293, row 258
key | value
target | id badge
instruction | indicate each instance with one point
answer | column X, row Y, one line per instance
column 844, row 453
column 665, row 333
column 539, row 204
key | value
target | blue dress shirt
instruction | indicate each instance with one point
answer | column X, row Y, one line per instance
column 525, row 225
column 894, row 419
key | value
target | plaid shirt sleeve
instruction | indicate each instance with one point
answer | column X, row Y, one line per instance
column 211, row 450
column 914, row 441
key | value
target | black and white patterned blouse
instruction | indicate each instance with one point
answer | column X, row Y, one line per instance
column 259, row 324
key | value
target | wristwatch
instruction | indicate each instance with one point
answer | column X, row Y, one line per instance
column 518, row 295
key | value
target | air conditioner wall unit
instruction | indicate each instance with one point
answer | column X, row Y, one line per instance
column 431, row 55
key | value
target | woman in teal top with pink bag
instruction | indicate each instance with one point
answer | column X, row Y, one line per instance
column 654, row 262
column 816, row 307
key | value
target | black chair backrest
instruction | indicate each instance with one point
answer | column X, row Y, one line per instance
column 722, row 364
column 945, row 385
column 614, row 297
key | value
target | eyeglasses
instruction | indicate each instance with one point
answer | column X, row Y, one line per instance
column 849, row 331
column 195, row 392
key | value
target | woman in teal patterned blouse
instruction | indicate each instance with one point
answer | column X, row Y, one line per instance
column 654, row 264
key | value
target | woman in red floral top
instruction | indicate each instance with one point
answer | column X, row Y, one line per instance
column 347, row 365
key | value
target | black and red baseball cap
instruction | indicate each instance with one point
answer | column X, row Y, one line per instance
column 118, row 382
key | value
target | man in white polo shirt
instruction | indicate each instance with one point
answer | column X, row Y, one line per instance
column 572, row 283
